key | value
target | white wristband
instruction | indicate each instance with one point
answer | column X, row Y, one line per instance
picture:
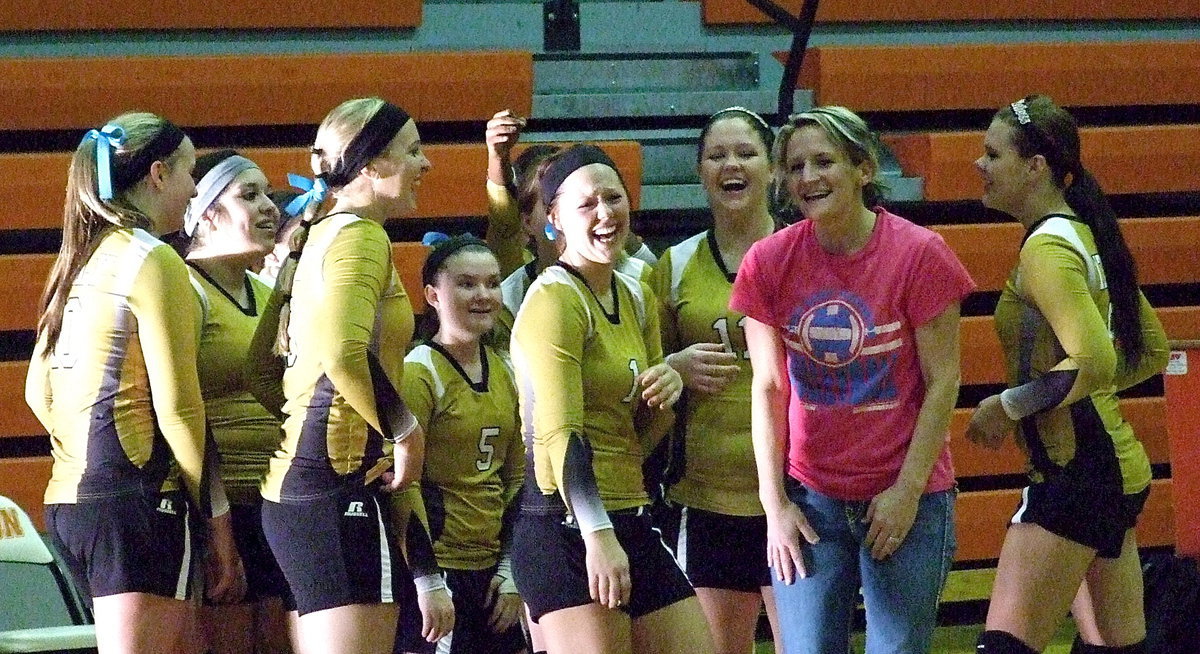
column 504, row 572
column 430, row 583
column 1009, row 407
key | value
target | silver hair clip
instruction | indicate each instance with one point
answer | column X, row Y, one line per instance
column 1021, row 111
column 742, row 110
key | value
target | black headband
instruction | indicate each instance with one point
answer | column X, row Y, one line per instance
column 572, row 159
column 442, row 253
column 128, row 169
column 369, row 143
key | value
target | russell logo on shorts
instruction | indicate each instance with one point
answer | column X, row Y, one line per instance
column 355, row 510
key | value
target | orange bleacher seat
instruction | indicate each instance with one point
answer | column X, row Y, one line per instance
column 1132, row 159
column 87, row 15
column 982, row 518
column 23, row 480
column 988, row 76
column 1162, row 247
column 261, row 89
column 741, row 12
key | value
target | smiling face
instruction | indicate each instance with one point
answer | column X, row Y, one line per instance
column 591, row 214
column 824, row 184
column 398, row 171
column 1006, row 174
column 243, row 219
column 735, row 167
column 466, row 292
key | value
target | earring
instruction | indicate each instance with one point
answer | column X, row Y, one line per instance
column 551, row 234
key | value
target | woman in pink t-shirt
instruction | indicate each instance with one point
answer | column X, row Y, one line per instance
column 852, row 326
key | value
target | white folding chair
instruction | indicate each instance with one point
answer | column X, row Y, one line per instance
column 39, row 608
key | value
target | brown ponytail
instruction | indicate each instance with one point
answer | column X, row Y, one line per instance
column 86, row 217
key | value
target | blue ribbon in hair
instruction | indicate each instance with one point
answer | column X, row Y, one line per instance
column 314, row 191
column 433, row 238
column 108, row 137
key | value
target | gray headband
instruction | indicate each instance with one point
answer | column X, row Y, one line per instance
column 210, row 187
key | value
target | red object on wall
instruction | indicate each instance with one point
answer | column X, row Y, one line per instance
column 1182, row 390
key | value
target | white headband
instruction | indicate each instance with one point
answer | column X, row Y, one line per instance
column 211, row 186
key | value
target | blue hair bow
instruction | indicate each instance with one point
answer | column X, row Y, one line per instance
column 108, row 137
column 433, row 238
column 314, row 191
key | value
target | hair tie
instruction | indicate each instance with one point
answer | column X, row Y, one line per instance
column 433, row 238
column 108, row 137
column 128, row 168
column 315, row 190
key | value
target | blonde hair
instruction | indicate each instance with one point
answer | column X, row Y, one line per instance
column 334, row 135
column 848, row 132
column 86, row 216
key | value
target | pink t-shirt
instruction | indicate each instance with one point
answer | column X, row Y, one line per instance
column 848, row 324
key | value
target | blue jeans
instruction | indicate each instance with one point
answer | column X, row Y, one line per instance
column 900, row 593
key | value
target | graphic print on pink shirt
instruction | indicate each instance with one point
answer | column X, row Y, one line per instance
column 847, row 358
column 848, row 324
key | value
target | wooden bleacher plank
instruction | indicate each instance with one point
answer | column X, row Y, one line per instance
column 982, row 518
column 15, row 417
column 988, row 76
column 245, row 90
column 32, row 185
column 989, row 251
column 408, row 258
column 86, row 15
column 741, row 12
column 24, row 277
column 1163, row 248
column 1181, row 323
column 23, row 480
column 1132, row 159
column 1146, row 414
column 983, row 361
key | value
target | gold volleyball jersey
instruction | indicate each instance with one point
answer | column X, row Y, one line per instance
column 350, row 323
column 246, row 433
column 1090, row 432
column 119, row 393
column 515, row 286
column 576, row 368
column 474, row 456
column 693, row 288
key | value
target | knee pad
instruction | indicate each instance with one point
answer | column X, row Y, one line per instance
column 1080, row 647
column 1001, row 642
